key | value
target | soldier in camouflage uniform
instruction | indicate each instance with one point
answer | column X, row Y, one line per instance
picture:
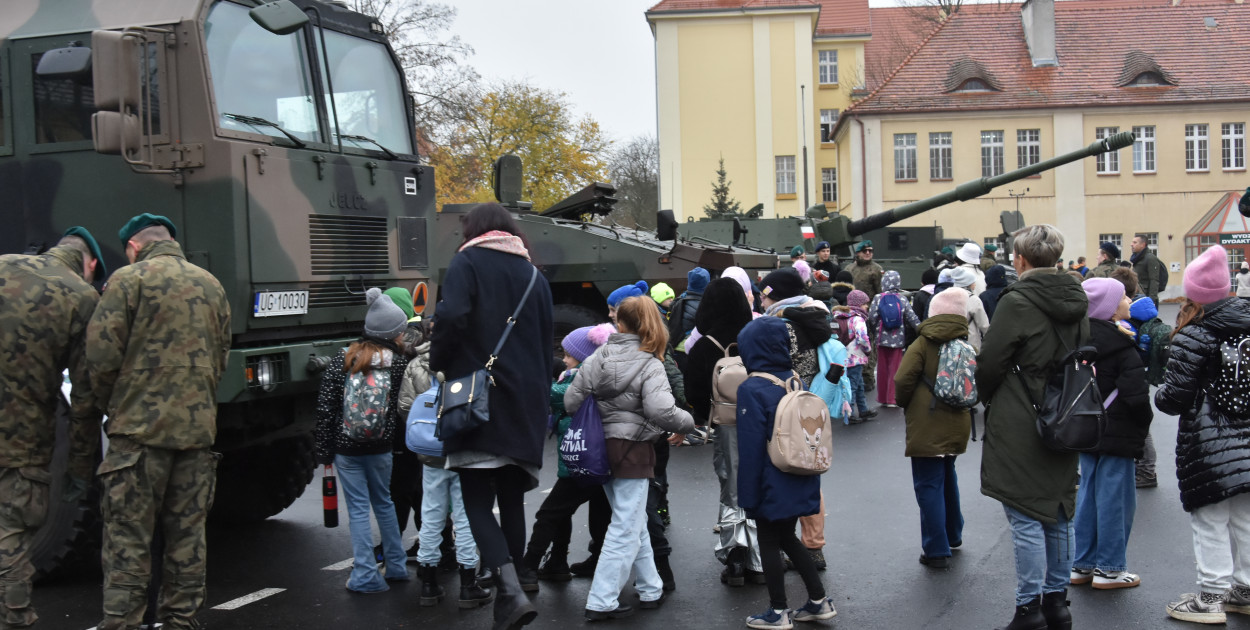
column 156, row 348
column 867, row 278
column 45, row 304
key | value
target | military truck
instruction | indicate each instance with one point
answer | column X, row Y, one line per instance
column 280, row 141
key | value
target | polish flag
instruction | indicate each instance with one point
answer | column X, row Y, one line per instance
column 808, row 232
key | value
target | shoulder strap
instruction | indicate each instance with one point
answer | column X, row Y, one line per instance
column 512, row 320
column 778, row 382
column 723, row 349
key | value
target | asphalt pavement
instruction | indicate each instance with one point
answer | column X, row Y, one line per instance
column 289, row 571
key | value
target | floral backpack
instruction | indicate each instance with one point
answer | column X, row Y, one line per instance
column 955, row 384
column 365, row 398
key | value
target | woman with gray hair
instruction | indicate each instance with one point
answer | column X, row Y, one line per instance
column 1040, row 319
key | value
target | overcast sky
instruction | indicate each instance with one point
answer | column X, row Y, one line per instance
column 598, row 52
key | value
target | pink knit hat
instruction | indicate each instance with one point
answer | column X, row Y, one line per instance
column 856, row 298
column 1207, row 278
column 1104, row 296
column 953, row 301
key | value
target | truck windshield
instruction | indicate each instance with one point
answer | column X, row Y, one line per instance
column 256, row 73
column 368, row 93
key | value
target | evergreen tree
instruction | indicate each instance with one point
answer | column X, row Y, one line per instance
column 722, row 204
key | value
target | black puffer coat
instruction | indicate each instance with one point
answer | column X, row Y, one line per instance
column 995, row 282
column 722, row 314
column 1119, row 368
column 1212, row 448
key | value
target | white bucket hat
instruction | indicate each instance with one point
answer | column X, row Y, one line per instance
column 969, row 253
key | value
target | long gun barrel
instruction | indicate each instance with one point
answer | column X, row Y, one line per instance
column 977, row 187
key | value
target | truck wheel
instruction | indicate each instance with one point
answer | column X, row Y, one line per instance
column 257, row 482
column 69, row 541
column 567, row 318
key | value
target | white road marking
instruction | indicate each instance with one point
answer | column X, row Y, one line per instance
column 248, row 599
column 339, row 566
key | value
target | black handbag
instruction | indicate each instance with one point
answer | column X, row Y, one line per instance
column 464, row 403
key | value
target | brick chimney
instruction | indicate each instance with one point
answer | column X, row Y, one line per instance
column 1038, row 18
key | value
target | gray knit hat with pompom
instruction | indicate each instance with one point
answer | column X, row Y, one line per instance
column 384, row 320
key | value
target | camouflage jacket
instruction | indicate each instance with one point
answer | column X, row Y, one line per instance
column 156, row 348
column 44, row 308
column 867, row 278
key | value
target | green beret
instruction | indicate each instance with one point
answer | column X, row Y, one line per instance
column 143, row 221
column 81, row 232
column 948, row 250
column 797, row 251
column 862, row 244
column 991, row 248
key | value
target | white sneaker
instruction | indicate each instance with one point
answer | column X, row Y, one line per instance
column 1081, row 576
column 1115, row 579
column 1199, row 608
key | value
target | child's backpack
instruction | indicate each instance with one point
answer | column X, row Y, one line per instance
column 890, row 308
column 802, row 439
column 1154, row 340
column 846, row 330
column 1231, row 388
column 727, row 375
column 422, row 422
column 955, row 384
column 365, row 397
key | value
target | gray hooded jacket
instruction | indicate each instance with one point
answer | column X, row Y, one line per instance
column 632, row 391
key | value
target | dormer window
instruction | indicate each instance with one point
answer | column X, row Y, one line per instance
column 1141, row 70
column 1147, row 79
column 974, row 85
column 969, row 75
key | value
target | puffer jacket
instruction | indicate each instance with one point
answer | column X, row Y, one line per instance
column 995, row 282
column 860, row 346
column 1120, row 369
column 932, row 430
column 1212, row 448
column 632, row 391
column 1016, row 468
column 896, row 338
column 764, row 491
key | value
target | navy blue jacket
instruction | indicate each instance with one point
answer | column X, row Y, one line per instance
column 764, row 491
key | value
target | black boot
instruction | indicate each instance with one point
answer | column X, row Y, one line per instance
column 1055, row 610
column 585, row 568
column 472, row 594
column 1028, row 617
column 527, row 577
column 666, row 573
column 735, row 567
column 555, row 569
column 431, row 592
column 512, row 607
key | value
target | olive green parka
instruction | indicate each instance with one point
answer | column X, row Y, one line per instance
column 940, row 430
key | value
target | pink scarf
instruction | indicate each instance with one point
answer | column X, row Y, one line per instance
column 500, row 241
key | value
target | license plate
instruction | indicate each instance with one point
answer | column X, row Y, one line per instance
column 274, row 303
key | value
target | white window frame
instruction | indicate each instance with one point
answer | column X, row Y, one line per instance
column 1028, row 147
column 1233, row 146
column 992, row 153
column 1107, row 163
column 786, row 182
column 1197, row 148
column 1118, row 239
column 904, row 157
column 941, row 161
column 828, row 67
column 1144, row 149
column 829, row 185
column 828, row 120
column 1152, row 241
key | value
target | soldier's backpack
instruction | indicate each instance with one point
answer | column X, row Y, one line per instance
column 727, row 375
column 955, row 384
column 890, row 308
column 1230, row 391
column 1154, row 339
column 802, row 437
column 365, row 398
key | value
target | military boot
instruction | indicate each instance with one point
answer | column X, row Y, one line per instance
column 431, row 592
column 472, row 594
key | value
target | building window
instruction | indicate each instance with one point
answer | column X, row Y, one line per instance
column 1233, row 142
column 905, row 156
column 829, row 185
column 828, row 66
column 63, row 107
column 1117, row 239
column 940, row 163
column 1028, row 147
column 828, row 118
column 785, row 175
column 1195, row 245
column 991, row 240
column 1109, row 162
column 1144, row 149
column 991, row 153
column 1196, row 148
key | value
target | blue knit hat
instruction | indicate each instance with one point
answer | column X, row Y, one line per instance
column 697, row 280
column 628, row 291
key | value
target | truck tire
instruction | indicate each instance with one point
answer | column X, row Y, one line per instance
column 69, row 541
column 257, row 482
column 567, row 318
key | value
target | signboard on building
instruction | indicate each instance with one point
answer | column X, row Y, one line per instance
column 1235, row 239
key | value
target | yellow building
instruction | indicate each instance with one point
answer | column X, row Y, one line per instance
column 992, row 89
column 759, row 83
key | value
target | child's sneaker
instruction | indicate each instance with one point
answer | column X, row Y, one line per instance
column 1199, row 608
column 1080, row 576
column 1238, row 600
column 770, row 619
column 815, row 611
column 1115, row 579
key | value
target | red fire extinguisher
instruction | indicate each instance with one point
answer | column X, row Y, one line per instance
column 330, row 497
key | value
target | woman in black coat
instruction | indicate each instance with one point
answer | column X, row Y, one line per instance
column 1212, row 439
column 500, row 460
column 722, row 314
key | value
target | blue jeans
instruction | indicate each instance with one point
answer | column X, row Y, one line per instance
column 366, row 480
column 1105, row 504
column 440, row 493
column 937, row 494
column 856, row 374
column 626, row 545
column 1043, row 554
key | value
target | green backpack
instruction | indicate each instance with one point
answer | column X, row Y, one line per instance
column 1154, row 341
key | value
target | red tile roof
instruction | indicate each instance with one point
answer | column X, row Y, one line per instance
column 1094, row 39
column 679, row 6
column 843, row 17
column 896, row 32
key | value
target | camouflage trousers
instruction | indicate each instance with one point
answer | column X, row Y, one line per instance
column 145, row 488
column 23, row 508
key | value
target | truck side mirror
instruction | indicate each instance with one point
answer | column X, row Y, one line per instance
column 116, row 71
column 665, row 225
column 507, row 178
column 280, row 18
column 114, row 132
column 65, row 63
column 739, row 231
